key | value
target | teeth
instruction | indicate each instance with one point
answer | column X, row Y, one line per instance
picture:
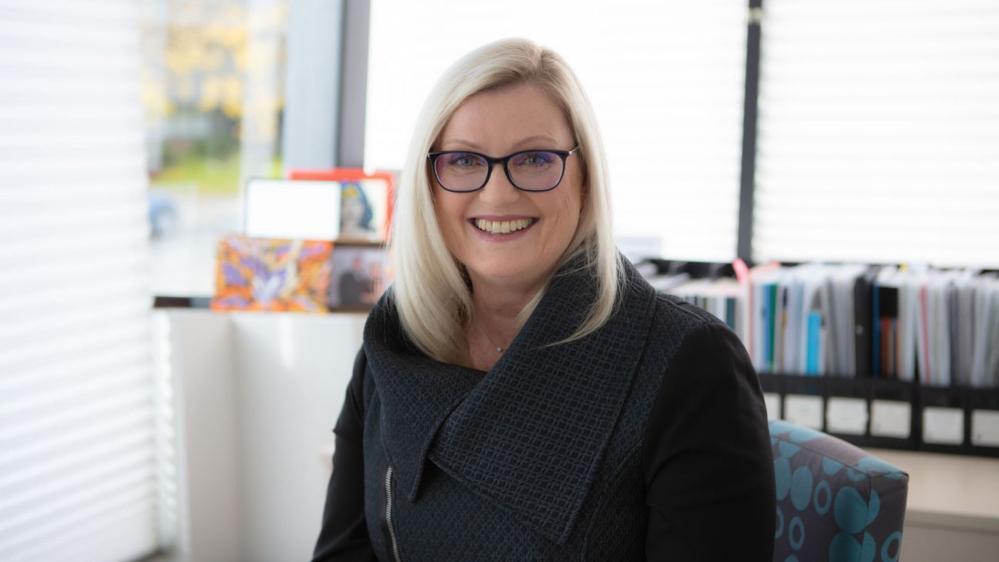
column 502, row 227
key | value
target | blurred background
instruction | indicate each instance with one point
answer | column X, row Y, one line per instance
column 137, row 424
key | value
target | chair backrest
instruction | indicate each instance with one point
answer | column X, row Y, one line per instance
column 835, row 501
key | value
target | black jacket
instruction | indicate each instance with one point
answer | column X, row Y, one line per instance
column 645, row 440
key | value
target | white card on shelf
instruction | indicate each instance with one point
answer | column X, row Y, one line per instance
column 943, row 426
column 846, row 415
column 296, row 209
column 985, row 428
column 772, row 400
column 890, row 418
column 803, row 410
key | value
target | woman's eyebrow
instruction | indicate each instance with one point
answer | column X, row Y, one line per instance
column 522, row 143
column 464, row 143
column 525, row 142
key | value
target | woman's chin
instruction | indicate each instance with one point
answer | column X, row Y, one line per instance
column 507, row 272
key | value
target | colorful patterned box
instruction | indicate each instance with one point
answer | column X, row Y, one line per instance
column 274, row 275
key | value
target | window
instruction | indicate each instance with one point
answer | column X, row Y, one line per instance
column 77, row 434
column 879, row 132
column 212, row 78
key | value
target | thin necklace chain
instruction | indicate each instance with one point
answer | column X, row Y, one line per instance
column 491, row 342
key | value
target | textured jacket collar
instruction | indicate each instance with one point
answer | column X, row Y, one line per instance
column 530, row 434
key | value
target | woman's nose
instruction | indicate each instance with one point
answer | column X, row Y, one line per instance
column 498, row 189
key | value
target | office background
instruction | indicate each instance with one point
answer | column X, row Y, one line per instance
column 855, row 131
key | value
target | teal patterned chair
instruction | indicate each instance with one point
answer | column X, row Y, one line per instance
column 835, row 502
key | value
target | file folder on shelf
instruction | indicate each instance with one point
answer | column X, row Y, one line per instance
column 847, row 409
column 805, row 400
column 893, row 423
column 959, row 419
column 942, row 415
column 984, row 420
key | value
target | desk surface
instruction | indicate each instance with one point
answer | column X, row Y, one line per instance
column 949, row 490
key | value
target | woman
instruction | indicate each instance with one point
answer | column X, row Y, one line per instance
column 522, row 393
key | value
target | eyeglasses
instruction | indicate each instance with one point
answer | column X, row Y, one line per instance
column 528, row 170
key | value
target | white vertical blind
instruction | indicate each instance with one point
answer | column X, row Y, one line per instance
column 879, row 132
column 77, row 452
column 666, row 80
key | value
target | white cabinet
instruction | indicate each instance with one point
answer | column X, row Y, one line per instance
column 255, row 398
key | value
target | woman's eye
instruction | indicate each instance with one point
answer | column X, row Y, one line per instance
column 536, row 159
column 463, row 160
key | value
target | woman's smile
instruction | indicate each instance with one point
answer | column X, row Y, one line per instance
column 493, row 228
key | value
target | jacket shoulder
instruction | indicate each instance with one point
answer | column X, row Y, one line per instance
column 678, row 324
column 677, row 317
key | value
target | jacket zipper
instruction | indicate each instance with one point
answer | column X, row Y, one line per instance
column 393, row 543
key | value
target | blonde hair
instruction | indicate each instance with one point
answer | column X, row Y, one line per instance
column 431, row 292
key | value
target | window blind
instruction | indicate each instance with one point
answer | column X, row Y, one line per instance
column 77, row 455
column 666, row 80
column 879, row 132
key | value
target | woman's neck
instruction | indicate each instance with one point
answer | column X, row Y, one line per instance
column 499, row 307
column 495, row 320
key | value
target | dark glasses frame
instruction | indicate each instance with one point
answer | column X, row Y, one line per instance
column 505, row 161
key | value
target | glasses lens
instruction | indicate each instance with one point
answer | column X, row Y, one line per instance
column 461, row 171
column 536, row 170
